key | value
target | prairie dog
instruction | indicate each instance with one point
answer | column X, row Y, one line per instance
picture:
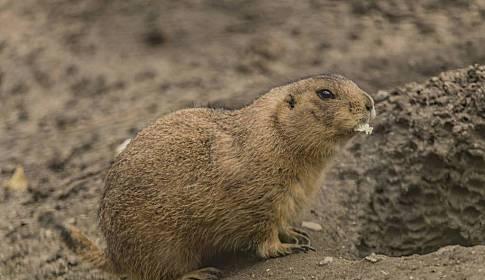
column 199, row 182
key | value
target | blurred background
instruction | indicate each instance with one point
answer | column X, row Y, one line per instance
column 79, row 77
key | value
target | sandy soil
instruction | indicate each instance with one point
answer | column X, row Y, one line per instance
column 77, row 78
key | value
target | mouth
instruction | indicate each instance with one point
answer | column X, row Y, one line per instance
column 364, row 128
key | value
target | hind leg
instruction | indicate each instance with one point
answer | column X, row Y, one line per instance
column 207, row 273
column 184, row 264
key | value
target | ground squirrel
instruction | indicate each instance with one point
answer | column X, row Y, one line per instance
column 202, row 181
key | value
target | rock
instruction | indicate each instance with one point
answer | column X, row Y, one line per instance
column 18, row 181
column 122, row 146
column 381, row 96
column 373, row 258
column 325, row 261
column 311, row 226
column 72, row 261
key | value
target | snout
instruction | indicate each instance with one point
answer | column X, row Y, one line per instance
column 369, row 106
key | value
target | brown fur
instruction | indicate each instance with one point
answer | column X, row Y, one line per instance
column 202, row 181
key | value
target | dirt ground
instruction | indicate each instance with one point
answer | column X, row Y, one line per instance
column 78, row 77
column 425, row 166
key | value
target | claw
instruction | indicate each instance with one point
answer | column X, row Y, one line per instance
column 306, row 240
column 295, row 236
column 303, row 248
column 311, row 248
column 300, row 231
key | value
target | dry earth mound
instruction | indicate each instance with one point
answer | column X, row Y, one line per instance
column 426, row 166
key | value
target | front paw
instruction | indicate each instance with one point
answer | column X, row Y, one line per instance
column 293, row 235
column 284, row 249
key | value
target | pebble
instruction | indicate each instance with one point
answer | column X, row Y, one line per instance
column 18, row 181
column 48, row 233
column 72, row 261
column 311, row 226
column 381, row 96
column 372, row 258
column 325, row 261
column 122, row 146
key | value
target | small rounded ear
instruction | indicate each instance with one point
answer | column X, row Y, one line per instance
column 290, row 99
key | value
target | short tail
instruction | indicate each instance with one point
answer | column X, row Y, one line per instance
column 85, row 248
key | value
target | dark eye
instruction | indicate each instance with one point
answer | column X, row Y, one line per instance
column 325, row 94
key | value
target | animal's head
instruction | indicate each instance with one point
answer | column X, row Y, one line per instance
column 323, row 109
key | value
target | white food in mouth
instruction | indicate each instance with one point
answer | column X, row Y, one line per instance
column 364, row 127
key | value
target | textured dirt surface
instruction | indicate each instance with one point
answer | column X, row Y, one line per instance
column 78, row 77
column 426, row 166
